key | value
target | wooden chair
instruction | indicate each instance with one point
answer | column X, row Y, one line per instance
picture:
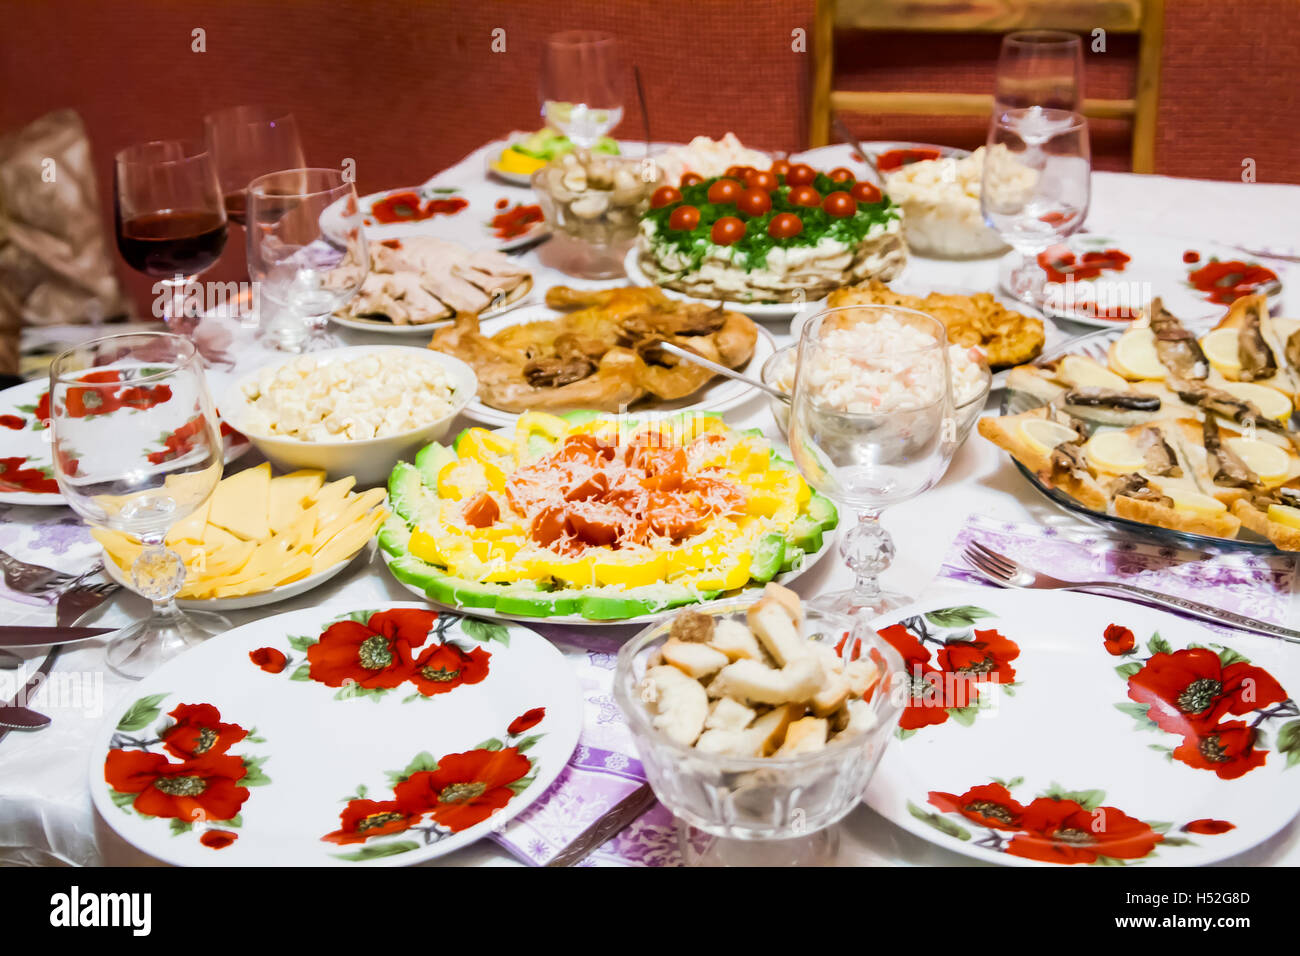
column 1142, row 17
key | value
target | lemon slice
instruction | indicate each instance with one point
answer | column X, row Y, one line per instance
column 1114, row 452
column 1220, row 347
column 1085, row 373
column 1268, row 461
column 1268, row 400
column 1284, row 514
column 1045, row 433
column 1185, row 500
column 1134, row 355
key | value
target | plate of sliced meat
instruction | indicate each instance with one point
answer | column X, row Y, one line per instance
column 421, row 283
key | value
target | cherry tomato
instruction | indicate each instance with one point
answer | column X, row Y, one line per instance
column 781, row 167
column 800, row 175
column 665, row 196
column 738, row 172
column 684, row 218
column 840, row 205
column 840, row 175
column 762, row 179
column 725, row 191
column 754, row 202
column 866, row 192
column 805, row 196
column 691, row 179
column 784, row 225
column 727, row 230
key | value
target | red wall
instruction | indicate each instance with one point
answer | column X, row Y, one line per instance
column 406, row 87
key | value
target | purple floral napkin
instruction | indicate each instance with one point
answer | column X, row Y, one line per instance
column 603, row 770
column 1255, row 584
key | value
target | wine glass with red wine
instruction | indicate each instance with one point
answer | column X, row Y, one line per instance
column 247, row 142
column 170, row 219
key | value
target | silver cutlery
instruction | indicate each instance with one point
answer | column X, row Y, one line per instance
column 1005, row 572
column 717, row 369
column 33, row 683
column 76, row 602
column 38, row 580
column 844, row 134
column 36, row 635
column 16, row 717
column 605, row 828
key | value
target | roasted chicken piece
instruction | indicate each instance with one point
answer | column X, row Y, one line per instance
column 604, row 354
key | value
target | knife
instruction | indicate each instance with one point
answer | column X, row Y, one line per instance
column 14, row 717
column 32, row 686
column 11, row 636
column 852, row 140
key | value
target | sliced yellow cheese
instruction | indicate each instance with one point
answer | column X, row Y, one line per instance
column 241, row 501
column 287, row 495
column 191, row 528
column 347, row 543
column 330, row 500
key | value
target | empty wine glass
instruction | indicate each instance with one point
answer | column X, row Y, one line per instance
column 871, row 424
column 169, row 218
column 582, row 84
column 1039, row 68
column 247, row 142
column 1036, row 188
column 306, row 251
column 137, row 448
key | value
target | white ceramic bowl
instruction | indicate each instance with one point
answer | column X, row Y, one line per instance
column 369, row 460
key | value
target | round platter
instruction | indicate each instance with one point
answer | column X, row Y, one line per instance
column 570, row 620
column 26, row 443
column 385, row 327
column 719, row 395
column 281, row 593
column 329, row 761
column 1095, row 345
column 1057, row 762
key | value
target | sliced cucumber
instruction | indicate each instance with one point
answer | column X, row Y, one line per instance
column 394, row 535
column 823, row 512
column 767, row 557
column 405, row 490
column 806, row 533
column 430, row 460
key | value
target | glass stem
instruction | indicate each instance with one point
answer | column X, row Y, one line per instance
column 174, row 316
column 868, row 550
column 159, row 573
column 1028, row 281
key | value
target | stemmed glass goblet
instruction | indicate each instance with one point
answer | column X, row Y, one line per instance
column 1036, row 188
column 871, row 424
column 1039, row 68
column 137, row 448
column 306, row 251
column 247, row 142
column 170, row 219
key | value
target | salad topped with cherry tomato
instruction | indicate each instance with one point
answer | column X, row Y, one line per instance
column 757, row 210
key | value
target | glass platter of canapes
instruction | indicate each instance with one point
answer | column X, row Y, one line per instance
column 1216, row 505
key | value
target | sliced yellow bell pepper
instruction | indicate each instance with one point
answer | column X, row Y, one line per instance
column 631, row 570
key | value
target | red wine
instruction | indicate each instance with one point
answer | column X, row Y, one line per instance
column 173, row 242
column 235, row 203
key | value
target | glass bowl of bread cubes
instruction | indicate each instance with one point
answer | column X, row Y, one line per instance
column 749, row 722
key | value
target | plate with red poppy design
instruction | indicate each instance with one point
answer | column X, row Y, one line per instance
column 26, row 462
column 1072, row 729
column 337, row 736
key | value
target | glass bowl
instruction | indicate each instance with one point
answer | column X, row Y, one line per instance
column 593, row 204
column 759, row 798
column 779, row 369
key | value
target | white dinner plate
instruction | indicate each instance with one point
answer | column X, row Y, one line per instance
column 720, row 394
column 1058, row 762
column 1156, row 269
column 345, row 755
column 25, row 443
column 281, row 593
column 385, row 327
column 470, row 227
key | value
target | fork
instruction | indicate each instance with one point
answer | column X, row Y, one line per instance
column 1005, row 572
column 38, row 580
column 82, row 598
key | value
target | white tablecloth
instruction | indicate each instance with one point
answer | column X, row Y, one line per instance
column 45, row 810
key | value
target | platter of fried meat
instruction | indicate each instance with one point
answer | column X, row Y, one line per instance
column 602, row 349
